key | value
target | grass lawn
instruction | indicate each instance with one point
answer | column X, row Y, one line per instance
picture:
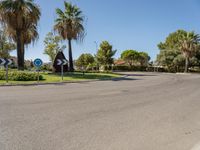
column 54, row 78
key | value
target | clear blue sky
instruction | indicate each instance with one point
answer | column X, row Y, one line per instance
column 126, row 24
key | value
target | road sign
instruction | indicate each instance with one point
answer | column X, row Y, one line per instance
column 61, row 62
column 5, row 62
column 38, row 62
column 57, row 68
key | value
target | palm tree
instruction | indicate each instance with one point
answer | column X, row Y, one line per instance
column 189, row 44
column 20, row 17
column 69, row 25
column 31, row 35
column 6, row 45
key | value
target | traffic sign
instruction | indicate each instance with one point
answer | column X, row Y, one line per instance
column 38, row 62
column 61, row 62
column 5, row 61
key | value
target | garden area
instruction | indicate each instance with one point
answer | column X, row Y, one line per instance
column 25, row 77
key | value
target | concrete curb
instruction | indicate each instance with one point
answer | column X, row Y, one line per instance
column 184, row 73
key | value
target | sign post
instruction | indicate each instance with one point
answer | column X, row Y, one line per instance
column 38, row 63
column 62, row 71
column 61, row 62
column 6, row 73
column 6, row 62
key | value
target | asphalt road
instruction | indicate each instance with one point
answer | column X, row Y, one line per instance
column 141, row 112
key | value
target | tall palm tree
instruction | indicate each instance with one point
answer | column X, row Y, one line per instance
column 69, row 25
column 6, row 45
column 189, row 44
column 20, row 17
column 31, row 35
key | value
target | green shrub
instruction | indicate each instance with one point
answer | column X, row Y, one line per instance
column 20, row 76
column 128, row 68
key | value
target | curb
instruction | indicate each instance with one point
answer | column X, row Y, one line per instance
column 184, row 73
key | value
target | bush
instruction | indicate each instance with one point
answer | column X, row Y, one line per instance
column 128, row 68
column 194, row 69
column 20, row 76
column 47, row 67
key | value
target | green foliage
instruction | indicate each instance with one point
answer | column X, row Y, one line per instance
column 130, row 56
column 69, row 25
column 179, row 60
column 52, row 45
column 20, row 18
column 189, row 45
column 144, row 58
column 167, row 58
column 6, row 45
column 198, row 55
column 172, row 41
column 46, row 67
column 133, row 57
column 105, row 55
column 85, row 60
column 179, row 48
column 20, row 76
column 128, row 68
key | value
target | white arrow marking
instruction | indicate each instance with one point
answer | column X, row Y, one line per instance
column 3, row 61
column 64, row 61
column 9, row 62
column 59, row 62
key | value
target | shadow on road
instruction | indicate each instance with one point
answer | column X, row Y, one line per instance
column 124, row 79
column 142, row 75
column 138, row 75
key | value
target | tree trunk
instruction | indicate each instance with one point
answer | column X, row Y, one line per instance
column 20, row 51
column 71, row 66
column 186, row 64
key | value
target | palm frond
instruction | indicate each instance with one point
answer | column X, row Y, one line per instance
column 69, row 23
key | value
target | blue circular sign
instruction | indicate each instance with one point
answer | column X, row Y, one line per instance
column 37, row 62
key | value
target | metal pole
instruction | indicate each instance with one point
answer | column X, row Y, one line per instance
column 6, row 73
column 38, row 79
column 62, row 72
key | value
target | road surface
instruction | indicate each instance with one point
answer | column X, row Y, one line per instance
column 144, row 111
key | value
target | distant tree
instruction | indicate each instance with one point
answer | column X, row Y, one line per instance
column 6, row 45
column 144, row 58
column 20, row 17
column 189, row 45
column 105, row 55
column 166, row 58
column 69, row 25
column 172, row 41
column 197, row 56
column 178, row 45
column 85, row 60
column 130, row 56
column 52, row 45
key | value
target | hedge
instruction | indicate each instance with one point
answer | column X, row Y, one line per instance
column 20, row 76
column 128, row 68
